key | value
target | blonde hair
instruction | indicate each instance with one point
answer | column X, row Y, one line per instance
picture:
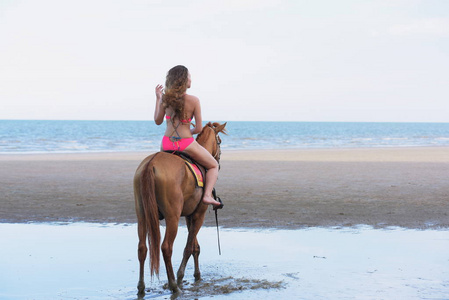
column 175, row 88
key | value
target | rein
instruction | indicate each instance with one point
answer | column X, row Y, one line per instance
column 216, row 219
column 217, row 156
column 218, row 232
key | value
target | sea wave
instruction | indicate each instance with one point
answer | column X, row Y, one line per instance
column 122, row 136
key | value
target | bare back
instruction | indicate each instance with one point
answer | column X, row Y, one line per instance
column 192, row 110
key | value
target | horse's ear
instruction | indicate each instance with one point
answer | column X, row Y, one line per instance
column 220, row 128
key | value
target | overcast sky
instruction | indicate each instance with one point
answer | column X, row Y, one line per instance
column 297, row 60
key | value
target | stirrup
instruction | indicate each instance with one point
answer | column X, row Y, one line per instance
column 214, row 194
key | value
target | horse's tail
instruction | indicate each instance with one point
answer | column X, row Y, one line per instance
column 147, row 189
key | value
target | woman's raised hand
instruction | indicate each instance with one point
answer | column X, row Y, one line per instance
column 159, row 89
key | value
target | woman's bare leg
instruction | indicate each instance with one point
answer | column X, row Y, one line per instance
column 211, row 179
column 203, row 157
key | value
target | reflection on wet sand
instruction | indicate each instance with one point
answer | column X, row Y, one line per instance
column 215, row 287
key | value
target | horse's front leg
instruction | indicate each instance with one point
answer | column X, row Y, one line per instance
column 194, row 224
column 190, row 249
column 196, row 255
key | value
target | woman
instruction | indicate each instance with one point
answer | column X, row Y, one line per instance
column 179, row 108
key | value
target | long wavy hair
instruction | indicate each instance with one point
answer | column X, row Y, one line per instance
column 175, row 88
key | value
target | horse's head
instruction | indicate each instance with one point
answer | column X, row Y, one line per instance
column 209, row 139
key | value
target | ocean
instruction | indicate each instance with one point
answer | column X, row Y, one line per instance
column 17, row 137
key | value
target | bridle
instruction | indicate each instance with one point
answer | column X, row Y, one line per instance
column 217, row 154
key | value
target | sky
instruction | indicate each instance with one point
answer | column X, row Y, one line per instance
column 250, row 60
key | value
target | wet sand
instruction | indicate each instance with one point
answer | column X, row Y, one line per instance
column 405, row 187
column 96, row 261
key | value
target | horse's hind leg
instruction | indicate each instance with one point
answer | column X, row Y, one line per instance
column 142, row 232
column 187, row 253
column 142, row 254
column 167, row 249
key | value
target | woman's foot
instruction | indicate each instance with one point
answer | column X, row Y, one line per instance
column 210, row 200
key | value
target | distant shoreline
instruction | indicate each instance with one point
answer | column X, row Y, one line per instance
column 439, row 153
column 205, row 121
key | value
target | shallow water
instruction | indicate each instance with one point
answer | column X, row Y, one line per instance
column 92, row 261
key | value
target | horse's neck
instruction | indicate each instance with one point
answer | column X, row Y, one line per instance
column 208, row 146
column 208, row 143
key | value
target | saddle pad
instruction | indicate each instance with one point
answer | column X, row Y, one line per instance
column 196, row 172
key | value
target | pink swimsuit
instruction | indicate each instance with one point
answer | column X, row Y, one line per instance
column 174, row 143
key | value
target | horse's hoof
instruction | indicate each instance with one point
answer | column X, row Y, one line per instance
column 141, row 289
column 141, row 294
column 172, row 287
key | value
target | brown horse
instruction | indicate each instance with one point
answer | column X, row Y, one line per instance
column 164, row 186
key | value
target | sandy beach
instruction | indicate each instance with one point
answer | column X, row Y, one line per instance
column 381, row 187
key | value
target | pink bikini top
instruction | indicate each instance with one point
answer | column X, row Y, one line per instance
column 183, row 121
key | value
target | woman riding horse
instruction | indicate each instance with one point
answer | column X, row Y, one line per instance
column 179, row 109
column 164, row 186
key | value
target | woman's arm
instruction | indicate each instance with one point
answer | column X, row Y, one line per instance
column 159, row 111
column 198, row 119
